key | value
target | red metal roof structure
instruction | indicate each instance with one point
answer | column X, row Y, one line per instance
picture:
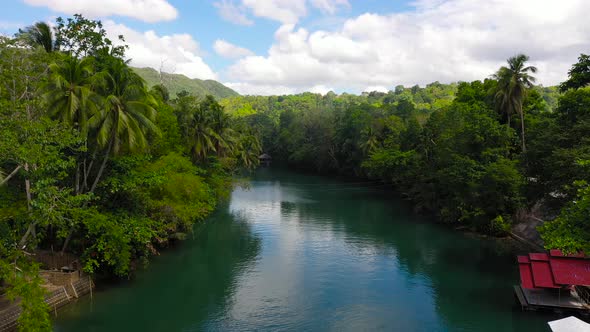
column 540, row 270
column 568, row 271
column 526, row 273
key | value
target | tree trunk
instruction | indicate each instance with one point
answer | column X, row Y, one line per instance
column 30, row 231
column 102, row 166
column 77, row 184
column 87, row 170
column 13, row 173
column 94, row 184
column 31, row 228
column 66, row 242
column 28, row 188
column 522, row 131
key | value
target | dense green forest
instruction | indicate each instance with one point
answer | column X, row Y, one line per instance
column 96, row 161
column 476, row 154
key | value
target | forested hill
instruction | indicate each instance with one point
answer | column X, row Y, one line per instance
column 177, row 83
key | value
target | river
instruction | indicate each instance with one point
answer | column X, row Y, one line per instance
column 307, row 253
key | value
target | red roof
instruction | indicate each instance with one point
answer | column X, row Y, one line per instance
column 542, row 276
column 539, row 270
column 570, row 271
column 526, row 274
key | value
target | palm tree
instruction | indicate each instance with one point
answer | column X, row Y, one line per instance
column 126, row 115
column 513, row 84
column 370, row 140
column 209, row 130
column 202, row 137
column 39, row 34
column 224, row 139
column 69, row 91
column 248, row 150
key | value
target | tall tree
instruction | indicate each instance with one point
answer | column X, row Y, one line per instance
column 39, row 34
column 126, row 116
column 69, row 91
column 82, row 37
column 513, row 84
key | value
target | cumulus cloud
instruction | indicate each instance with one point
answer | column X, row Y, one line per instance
column 229, row 50
column 329, row 6
column 144, row 10
column 284, row 11
column 232, row 12
column 440, row 40
column 378, row 88
column 321, row 89
column 178, row 53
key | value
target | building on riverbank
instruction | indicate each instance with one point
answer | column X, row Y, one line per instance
column 553, row 281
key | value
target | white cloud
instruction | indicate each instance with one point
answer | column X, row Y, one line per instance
column 378, row 88
column 177, row 53
column 321, row 89
column 144, row 10
column 232, row 13
column 284, row 11
column 440, row 40
column 329, row 6
column 229, row 50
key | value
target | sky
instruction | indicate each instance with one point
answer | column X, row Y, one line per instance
column 267, row 47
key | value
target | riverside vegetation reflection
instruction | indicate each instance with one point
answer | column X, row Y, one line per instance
column 300, row 252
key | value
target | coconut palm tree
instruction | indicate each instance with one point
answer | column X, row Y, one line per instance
column 248, row 149
column 513, row 84
column 69, row 91
column 370, row 140
column 39, row 34
column 202, row 137
column 224, row 138
column 126, row 115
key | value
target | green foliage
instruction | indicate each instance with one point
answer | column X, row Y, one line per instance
column 38, row 35
column 94, row 163
column 81, row 37
column 514, row 83
column 127, row 113
column 570, row 231
column 579, row 74
column 25, row 287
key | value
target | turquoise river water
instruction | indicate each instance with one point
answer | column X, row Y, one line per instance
column 306, row 253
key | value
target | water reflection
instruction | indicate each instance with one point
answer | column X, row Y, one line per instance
column 299, row 252
column 361, row 260
column 180, row 290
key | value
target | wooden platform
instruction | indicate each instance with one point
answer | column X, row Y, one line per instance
column 549, row 299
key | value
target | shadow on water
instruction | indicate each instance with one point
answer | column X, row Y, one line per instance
column 179, row 290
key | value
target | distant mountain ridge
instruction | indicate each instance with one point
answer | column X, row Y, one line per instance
column 177, row 83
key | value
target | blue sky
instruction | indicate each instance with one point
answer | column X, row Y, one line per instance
column 289, row 46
